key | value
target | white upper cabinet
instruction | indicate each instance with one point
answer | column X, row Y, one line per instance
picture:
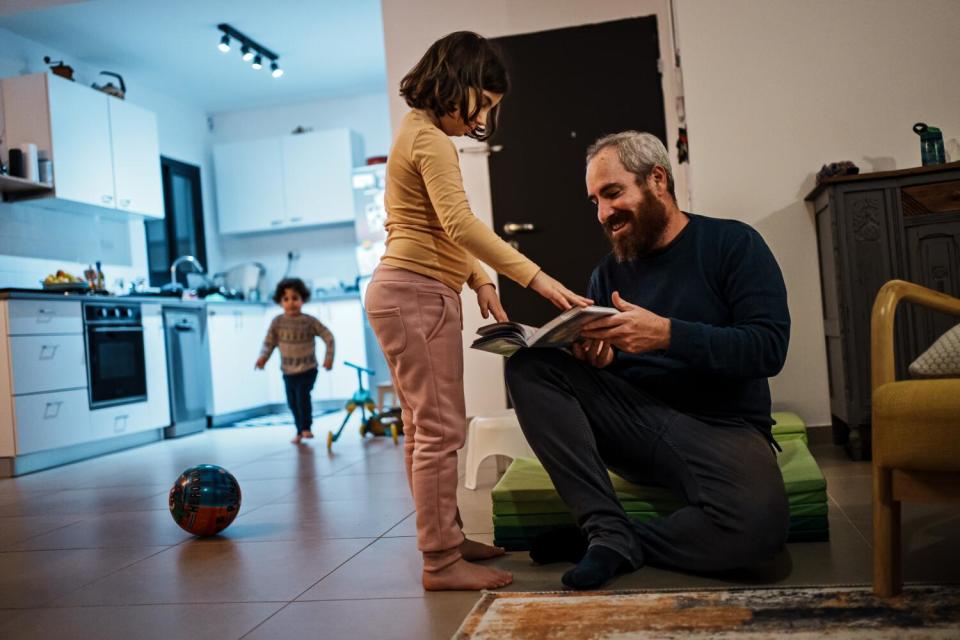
column 291, row 181
column 317, row 177
column 249, row 185
column 136, row 159
column 104, row 151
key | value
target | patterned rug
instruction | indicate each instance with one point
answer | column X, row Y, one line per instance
column 835, row 613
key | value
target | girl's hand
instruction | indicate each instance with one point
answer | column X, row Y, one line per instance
column 556, row 293
column 490, row 303
column 261, row 362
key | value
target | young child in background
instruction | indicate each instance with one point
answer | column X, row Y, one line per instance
column 294, row 332
column 434, row 242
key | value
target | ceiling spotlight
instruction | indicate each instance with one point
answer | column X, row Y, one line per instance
column 247, row 54
column 224, row 43
column 275, row 71
column 257, row 63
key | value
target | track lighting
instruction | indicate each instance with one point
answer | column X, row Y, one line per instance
column 249, row 50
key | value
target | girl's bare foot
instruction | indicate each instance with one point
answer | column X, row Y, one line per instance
column 471, row 550
column 297, row 439
column 307, row 434
column 465, row 576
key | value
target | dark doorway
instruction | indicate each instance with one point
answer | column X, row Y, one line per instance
column 181, row 231
column 568, row 88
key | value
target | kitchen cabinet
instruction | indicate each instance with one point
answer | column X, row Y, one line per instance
column 344, row 318
column 51, row 420
column 157, row 410
column 104, row 151
column 47, row 363
column 235, row 337
column 286, row 182
column 249, row 185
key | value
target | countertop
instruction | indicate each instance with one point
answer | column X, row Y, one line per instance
column 39, row 294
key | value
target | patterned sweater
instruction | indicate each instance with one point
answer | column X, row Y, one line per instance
column 295, row 337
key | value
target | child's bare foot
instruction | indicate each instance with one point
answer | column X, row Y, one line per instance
column 307, row 434
column 471, row 550
column 465, row 576
column 297, row 439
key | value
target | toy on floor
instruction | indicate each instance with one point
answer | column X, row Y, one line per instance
column 379, row 424
column 205, row 499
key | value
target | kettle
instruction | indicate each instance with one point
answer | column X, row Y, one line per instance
column 110, row 89
column 931, row 144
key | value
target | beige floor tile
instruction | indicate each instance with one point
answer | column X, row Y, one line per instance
column 432, row 618
column 405, row 529
column 149, row 622
column 334, row 519
column 14, row 530
column 34, row 578
column 220, row 571
column 388, row 568
column 380, row 486
column 86, row 501
column 112, row 530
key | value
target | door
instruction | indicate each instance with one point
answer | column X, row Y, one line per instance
column 136, row 159
column 568, row 88
column 82, row 155
column 934, row 262
column 249, row 185
column 180, row 232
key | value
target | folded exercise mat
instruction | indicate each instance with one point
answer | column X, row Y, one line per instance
column 788, row 426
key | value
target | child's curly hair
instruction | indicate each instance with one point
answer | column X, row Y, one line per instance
column 453, row 66
column 291, row 283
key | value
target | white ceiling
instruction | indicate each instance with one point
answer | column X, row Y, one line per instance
column 327, row 48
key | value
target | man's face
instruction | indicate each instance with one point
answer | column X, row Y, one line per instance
column 632, row 216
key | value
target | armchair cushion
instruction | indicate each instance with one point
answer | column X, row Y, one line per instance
column 916, row 425
column 942, row 359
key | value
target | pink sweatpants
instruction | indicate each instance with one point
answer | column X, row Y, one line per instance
column 418, row 325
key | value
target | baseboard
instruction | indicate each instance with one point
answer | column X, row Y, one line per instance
column 28, row 463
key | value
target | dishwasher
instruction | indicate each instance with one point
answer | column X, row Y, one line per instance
column 188, row 366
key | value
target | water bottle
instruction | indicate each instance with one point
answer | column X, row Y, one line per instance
column 931, row 144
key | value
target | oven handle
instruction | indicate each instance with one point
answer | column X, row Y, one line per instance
column 116, row 329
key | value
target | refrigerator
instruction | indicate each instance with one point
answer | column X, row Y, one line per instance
column 369, row 183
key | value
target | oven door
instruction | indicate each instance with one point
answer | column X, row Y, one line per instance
column 115, row 365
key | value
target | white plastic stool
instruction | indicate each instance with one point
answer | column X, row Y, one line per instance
column 497, row 434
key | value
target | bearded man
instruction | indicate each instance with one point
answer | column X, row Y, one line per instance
column 671, row 391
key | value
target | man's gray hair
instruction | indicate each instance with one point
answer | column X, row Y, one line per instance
column 639, row 152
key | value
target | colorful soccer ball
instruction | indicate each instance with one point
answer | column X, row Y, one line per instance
column 205, row 499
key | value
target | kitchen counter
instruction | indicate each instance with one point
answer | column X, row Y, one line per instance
column 39, row 294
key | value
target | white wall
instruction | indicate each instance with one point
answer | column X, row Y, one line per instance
column 327, row 255
column 776, row 89
column 410, row 26
column 35, row 241
column 773, row 90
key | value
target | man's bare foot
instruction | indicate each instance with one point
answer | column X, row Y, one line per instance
column 471, row 550
column 307, row 434
column 465, row 576
column 297, row 439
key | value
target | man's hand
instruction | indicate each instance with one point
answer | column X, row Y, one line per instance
column 261, row 361
column 595, row 352
column 634, row 330
column 490, row 303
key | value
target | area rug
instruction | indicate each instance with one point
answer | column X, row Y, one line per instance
column 834, row 613
column 282, row 419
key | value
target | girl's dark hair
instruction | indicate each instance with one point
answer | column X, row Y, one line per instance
column 291, row 283
column 451, row 67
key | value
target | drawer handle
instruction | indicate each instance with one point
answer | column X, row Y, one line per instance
column 276, row 223
column 52, row 410
column 120, row 423
column 296, row 219
column 45, row 315
column 125, row 202
column 48, row 352
column 107, row 199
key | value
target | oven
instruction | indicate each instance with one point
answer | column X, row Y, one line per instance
column 116, row 373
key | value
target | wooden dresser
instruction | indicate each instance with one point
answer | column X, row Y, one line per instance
column 872, row 228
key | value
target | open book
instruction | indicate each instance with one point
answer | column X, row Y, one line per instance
column 504, row 338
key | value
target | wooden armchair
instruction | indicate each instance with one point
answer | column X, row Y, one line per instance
column 916, row 433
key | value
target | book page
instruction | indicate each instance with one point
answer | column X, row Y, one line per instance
column 565, row 328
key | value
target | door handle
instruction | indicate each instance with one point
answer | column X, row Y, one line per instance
column 513, row 228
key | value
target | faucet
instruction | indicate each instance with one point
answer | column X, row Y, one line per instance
column 176, row 263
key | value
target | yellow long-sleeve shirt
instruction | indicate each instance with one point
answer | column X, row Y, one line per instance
column 431, row 229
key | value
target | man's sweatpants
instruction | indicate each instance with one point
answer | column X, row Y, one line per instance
column 581, row 421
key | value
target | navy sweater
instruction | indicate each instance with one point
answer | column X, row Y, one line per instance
column 723, row 292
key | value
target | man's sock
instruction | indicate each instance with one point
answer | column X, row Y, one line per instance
column 563, row 544
column 599, row 566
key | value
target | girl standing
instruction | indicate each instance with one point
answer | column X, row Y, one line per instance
column 413, row 301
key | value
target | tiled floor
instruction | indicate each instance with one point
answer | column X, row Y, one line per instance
column 324, row 545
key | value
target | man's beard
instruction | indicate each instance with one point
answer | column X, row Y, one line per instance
column 649, row 221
